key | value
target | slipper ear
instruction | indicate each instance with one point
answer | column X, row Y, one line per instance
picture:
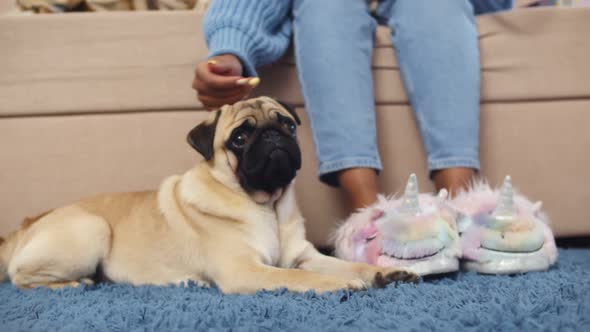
column 537, row 207
column 538, row 211
column 376, row 214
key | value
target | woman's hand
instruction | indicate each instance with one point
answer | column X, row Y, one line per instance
column 219, row 81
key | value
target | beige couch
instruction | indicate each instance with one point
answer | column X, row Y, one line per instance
column 102, row 102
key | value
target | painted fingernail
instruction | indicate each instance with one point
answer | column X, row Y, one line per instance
column 254, row 82
column 242, row 81
column 212, row 62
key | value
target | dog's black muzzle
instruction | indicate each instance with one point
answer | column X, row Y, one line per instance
column 270, row 162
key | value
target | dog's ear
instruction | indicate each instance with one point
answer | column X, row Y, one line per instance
column 202, row 136
column 291, row 109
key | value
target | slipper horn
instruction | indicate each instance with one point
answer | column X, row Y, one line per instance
column 505, row 208
column 410, row 203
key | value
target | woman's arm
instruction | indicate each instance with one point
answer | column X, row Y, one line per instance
column 255, row 31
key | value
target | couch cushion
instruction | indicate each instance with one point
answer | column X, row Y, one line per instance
column 99, row 62
column 94, row 62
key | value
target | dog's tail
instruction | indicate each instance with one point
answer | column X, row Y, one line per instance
column 3, row 264
column 7, row 247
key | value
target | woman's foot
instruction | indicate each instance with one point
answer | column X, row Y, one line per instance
column 360, row 185
column 453, row 179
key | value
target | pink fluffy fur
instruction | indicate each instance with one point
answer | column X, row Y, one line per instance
column 480, row 197
column 480, row 200
column 363, row 235
column 415, row 234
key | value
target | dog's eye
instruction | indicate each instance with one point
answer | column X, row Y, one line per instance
column 239, row 139
column 290, row 126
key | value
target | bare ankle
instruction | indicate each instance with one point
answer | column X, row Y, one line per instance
column 360, row 185
column 453, row 179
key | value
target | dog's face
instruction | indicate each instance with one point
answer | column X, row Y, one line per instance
column 257, row 138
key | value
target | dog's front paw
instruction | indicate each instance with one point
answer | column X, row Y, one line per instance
column 338, row 283
column 385, row 278
column 356, row 285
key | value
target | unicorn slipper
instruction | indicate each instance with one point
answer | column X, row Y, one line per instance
column 503, row 232
column 417, row 232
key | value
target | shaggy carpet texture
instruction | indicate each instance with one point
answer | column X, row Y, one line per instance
column 558, row 300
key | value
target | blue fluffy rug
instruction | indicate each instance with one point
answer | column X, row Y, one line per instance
column 558, row 300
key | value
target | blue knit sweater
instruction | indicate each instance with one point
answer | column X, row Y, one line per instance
column 256, row 31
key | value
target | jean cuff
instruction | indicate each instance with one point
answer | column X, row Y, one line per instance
column 435, row 165
column 328, row 170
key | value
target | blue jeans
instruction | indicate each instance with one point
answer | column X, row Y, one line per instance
column 437, row 50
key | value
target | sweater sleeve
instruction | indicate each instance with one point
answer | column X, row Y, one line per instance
column 256, row 31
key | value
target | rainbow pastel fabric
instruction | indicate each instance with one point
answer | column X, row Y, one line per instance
column 416, row 231
column 489, row 231
column 503, row 232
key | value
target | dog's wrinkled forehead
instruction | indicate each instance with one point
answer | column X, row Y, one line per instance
column 257, row 112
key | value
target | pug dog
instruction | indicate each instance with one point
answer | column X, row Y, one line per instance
column 231, row 222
